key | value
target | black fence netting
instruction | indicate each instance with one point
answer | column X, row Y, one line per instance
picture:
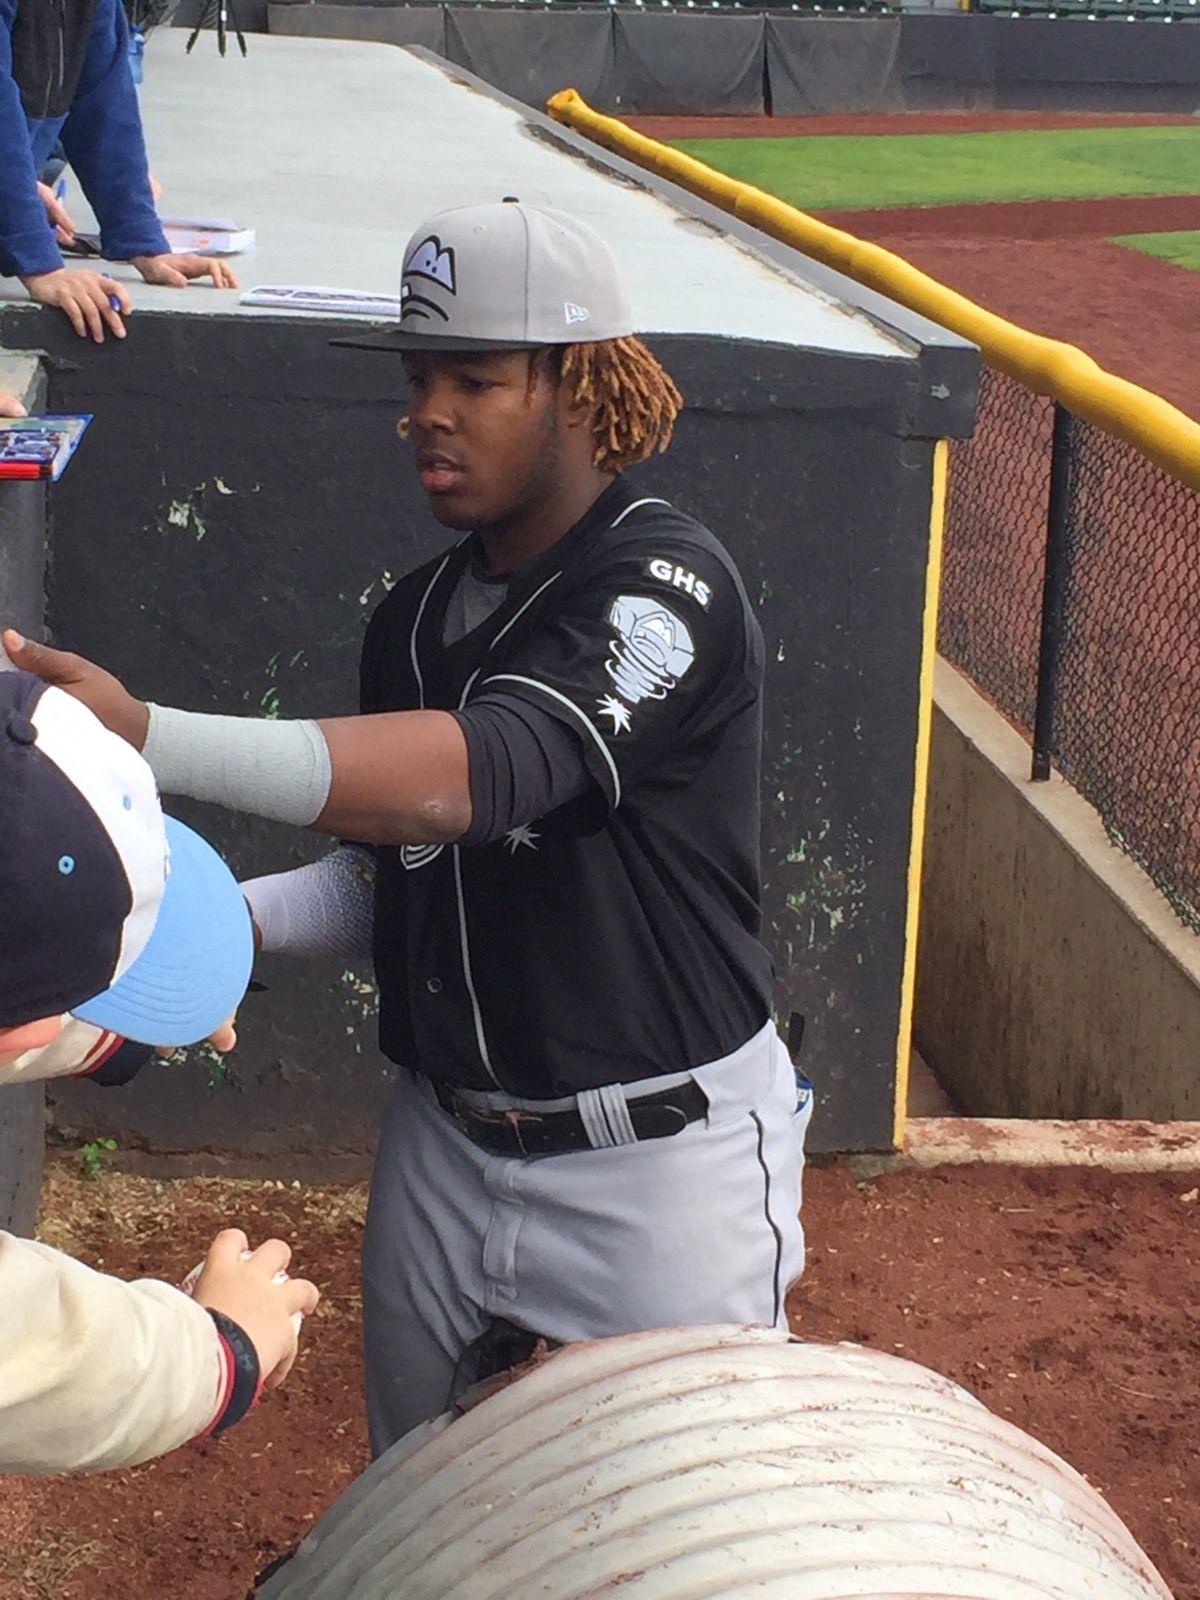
column 995, row 544
column 1126, row 708
column 1116, row 679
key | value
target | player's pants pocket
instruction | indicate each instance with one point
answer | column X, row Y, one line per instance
column 741, row 1080
column 702, row 1227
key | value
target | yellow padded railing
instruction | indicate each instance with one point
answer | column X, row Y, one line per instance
column 1047, row 366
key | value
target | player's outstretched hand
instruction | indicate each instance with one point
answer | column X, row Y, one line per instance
column 100, row 691
column 57, row 214
column 251, row 1290
column 175, row 272
column 86, row 298
column 10, row 406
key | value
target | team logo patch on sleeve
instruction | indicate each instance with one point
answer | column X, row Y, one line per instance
column 652, row 650
column 668, row 571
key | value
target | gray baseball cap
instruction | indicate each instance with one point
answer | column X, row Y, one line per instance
column 505, row 276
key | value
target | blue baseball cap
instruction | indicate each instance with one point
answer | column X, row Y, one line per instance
column 109, row 909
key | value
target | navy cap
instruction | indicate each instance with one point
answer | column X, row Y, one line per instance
column 108, row 909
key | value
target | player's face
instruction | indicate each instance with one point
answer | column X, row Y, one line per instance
column 487, row 432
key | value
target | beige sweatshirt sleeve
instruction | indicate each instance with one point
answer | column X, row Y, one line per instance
column 79, row 1049
column 96, row 1372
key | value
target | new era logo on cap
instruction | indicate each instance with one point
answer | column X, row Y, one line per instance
column 505, row 277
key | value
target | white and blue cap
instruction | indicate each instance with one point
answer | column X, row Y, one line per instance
column 109, row 909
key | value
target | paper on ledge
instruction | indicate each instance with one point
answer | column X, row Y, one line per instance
column 342, row 302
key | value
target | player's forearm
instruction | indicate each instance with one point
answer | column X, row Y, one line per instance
column 324, row 909
column 399, row 778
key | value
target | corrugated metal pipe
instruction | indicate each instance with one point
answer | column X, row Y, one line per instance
column 720, row 1461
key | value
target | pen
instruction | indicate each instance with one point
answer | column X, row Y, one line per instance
column 114, row 302
column 60, row 188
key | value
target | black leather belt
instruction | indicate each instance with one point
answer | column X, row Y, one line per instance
column 546, row 1133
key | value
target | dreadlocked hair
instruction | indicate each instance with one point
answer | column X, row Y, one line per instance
column 632, row 400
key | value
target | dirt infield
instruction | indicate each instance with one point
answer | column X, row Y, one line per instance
column 1064, row 1298
column 901, row 122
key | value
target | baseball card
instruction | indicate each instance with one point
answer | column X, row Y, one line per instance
column 39, row 447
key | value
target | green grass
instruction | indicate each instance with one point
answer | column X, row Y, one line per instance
column 825, row 173
column 1181, row 249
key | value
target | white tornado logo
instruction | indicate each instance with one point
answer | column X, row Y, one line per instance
column 652, row 652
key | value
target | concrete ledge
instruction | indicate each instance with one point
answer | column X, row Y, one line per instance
column 1117, row 1146
column 1053, row 981
column 19, row 375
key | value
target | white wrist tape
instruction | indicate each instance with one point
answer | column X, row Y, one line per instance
column 326, row 909
column 279, row 770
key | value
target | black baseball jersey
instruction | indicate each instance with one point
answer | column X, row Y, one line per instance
column 616, row 938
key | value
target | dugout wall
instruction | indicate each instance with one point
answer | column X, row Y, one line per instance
column 241, row 503
column 23, row 606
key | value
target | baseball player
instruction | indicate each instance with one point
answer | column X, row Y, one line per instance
column 99, row 941
column 595, row 1127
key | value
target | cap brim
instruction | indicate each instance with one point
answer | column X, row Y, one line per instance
column 192, row 974
column 397, row 340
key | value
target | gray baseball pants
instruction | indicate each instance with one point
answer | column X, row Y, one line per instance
column 700, row 1227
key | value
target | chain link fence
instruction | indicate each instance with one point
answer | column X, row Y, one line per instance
column 1126, row 711
column 995, row 547
column 1111, row 678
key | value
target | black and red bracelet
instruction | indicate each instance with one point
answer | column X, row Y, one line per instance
column 119, row 1064
column 245, row 1378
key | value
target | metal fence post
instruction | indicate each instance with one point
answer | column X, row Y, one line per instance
column 1053, row 592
